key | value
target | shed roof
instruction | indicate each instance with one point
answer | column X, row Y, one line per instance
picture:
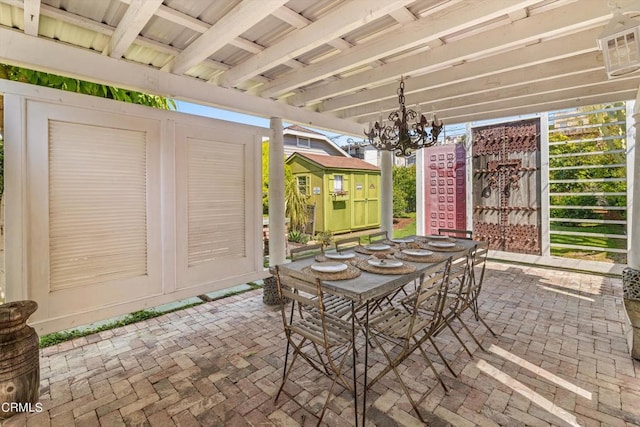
column 336, row 162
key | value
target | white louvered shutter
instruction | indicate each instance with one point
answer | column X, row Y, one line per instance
column 97, row 204
column 216, row 201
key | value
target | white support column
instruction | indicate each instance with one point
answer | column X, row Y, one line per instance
column 277, row 228
column 468, row 167
column 420, row 189
column 386, row 165
column 631, row 274
column 630, row 156
column 633, row 191
column 544, row 203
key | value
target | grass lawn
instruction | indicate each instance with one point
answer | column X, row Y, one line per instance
column 594, row 241
column 409, row 228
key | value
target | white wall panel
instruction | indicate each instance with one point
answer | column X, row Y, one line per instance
column 218, row 176
column 112, row 207
column 97, row 204
column 94, row 230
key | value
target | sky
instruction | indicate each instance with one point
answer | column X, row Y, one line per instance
column 341, row 140
column 216, row 113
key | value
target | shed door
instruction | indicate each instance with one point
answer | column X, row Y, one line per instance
column 366, row 200
column 506, row 187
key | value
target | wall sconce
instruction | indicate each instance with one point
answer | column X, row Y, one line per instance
column 620, row 44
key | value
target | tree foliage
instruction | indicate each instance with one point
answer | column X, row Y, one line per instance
column 69, row 84
column 24, row 75
column 601, row 130
column 404, row 189
column 295, row 201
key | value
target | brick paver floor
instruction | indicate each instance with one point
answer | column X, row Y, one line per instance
column 560, row 359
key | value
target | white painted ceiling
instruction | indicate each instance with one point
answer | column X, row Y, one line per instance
column 329, row 63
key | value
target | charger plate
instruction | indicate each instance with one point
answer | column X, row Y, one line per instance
column 351, row 260
column 454, row 248
column 350, row 273
column 435, row 257
column 439, row 238
column 404, row 269
column 339, row 256
column 363, row 250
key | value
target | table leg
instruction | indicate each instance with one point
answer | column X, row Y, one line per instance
column 353, row 352
column 366, row 364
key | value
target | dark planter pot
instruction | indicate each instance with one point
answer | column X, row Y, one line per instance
column 19, row 357
column 631, row 292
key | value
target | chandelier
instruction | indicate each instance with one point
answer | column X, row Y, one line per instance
column 407, row 131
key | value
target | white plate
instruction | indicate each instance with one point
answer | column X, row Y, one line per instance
column 343, row 255
column 329, row 267
column 378, row 247
column 417, row 252
column 437, row 237
column 405, row 240
column 442, row 244
column 390, row 263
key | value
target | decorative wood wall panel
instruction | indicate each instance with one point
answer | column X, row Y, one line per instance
column 506, row 195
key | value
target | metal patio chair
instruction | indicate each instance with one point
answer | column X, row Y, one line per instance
column 378, row 237
column 463, row 293
column 334, row 304
column 460, row 279
column 407, row 328
column 348, row 243
column 470, row 298
column 457, row 233
column 306, row 251
column 322, row 340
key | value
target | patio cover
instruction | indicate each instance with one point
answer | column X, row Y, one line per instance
column 325, row 63
column 330, row 64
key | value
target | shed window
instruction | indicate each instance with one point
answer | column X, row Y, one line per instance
column 303, row 184
column 303, row 142
column 338, row 183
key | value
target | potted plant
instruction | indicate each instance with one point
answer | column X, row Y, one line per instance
column 339, row 195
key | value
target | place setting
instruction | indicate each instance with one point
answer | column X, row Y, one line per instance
column 441, row 246
column 399, row 241
column 347, row 256
column 418, row 255
column 332, row 270
column 438, row 238
column 374, row 248
column 384, row 265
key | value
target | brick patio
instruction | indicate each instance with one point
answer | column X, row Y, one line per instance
column 560, row 359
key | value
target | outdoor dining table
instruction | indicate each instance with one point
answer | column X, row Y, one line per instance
column 369, row 288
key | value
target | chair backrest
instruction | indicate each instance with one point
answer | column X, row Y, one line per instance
column 459, row 275
column 479, row 263
column 457, row 233
column 378, row 237
column 307, row 294
column 348, row 243
column 306, row 251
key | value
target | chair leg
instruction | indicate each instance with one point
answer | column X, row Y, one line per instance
column 466, row 328
column 392, row 366
column 286, row 356
column 285, row 371
column 433, row 368
column 441, row 357
column 476, row 312
column 455, row 334
column 335, row 380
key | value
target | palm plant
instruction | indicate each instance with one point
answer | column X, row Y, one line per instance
column 295, row 202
